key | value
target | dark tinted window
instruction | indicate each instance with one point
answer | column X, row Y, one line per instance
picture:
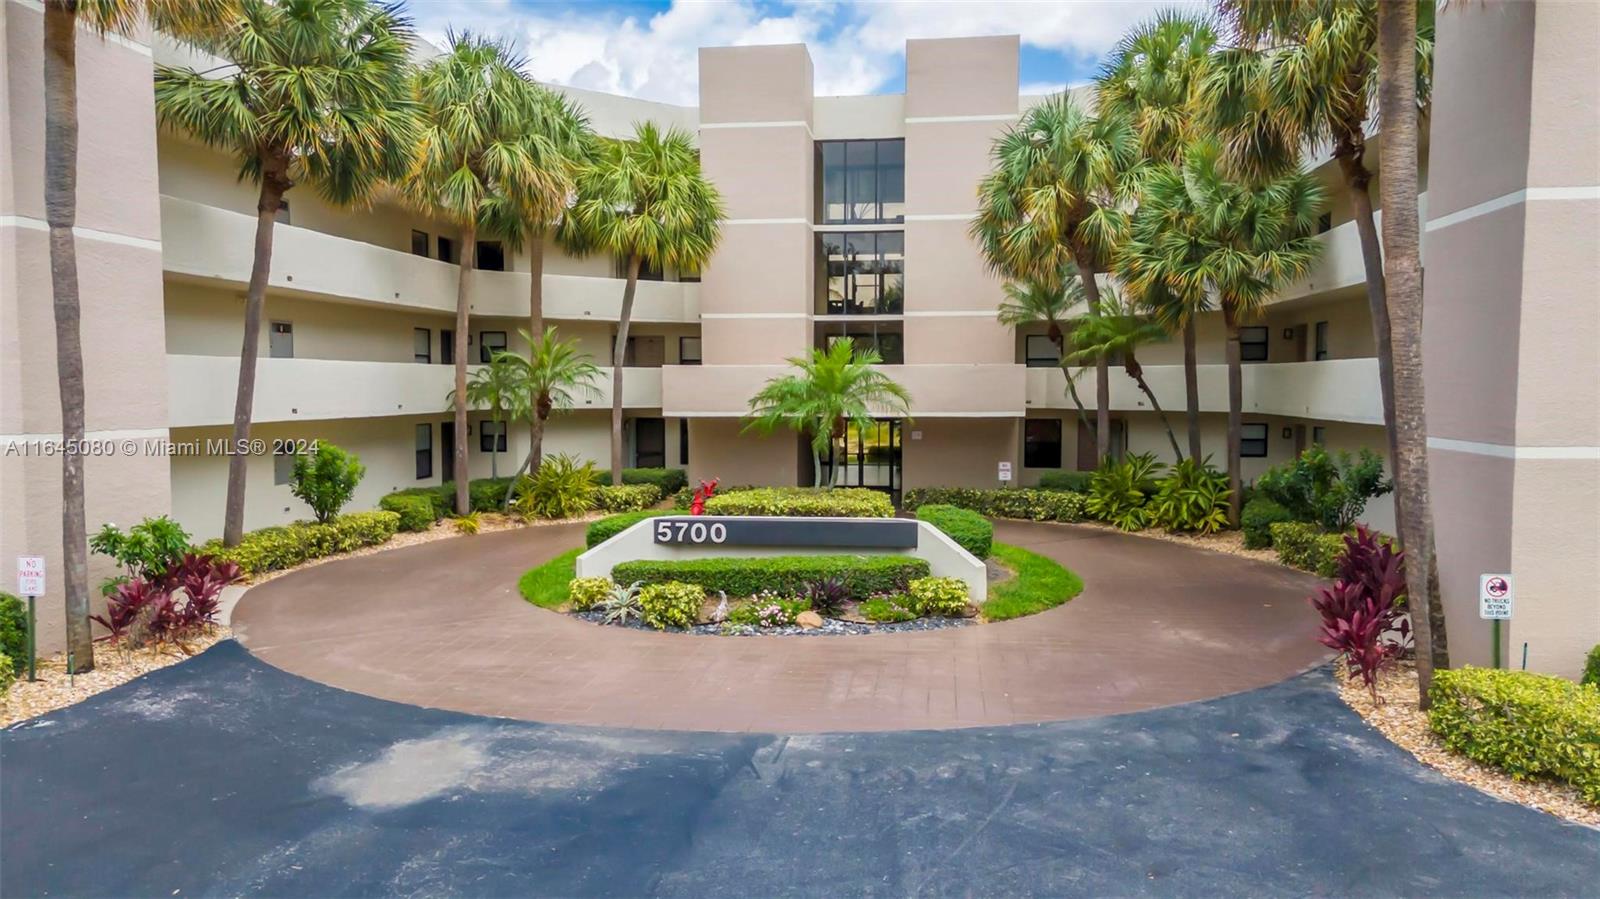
column 1041, row 447
column 862, row 180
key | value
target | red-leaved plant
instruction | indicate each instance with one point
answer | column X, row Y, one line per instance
column 141, row 608
column 1363, row 613
column 707, row 489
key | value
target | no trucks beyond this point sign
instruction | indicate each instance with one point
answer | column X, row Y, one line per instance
column 1494, row 597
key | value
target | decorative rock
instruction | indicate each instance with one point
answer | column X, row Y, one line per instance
column 808, row 620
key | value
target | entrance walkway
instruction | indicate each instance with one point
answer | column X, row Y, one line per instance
column 442, row 625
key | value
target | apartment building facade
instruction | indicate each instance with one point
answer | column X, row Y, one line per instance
column 847, row 219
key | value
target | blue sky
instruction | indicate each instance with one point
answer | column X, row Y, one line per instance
column 646, row 48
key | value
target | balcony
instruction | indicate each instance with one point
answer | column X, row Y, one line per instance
column 1331, row 390
column 206, row 243
column 963, row 391
column 1341, row 265
column 201, row 389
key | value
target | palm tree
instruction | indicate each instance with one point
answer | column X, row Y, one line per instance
column 1053, row 203
column 834, row 389
column 61, row 19
column 545, row 383
column 494, row 387
column 1119, row 331
column 1151, row 80
column 1306, row 74
column 1397, row 104
column 472, row 160
column 644, row 201
column 1238, row 241
column 1033, row 303
column 309, row 90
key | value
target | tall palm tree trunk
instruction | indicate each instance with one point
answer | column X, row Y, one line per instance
column 469, row 261
column 1191, row 387
column 536, row 329
column 1136, row 372
column 274, row 184
column 1102, row 366
column 1060, row 340
column 1397, row 34
column 618, row 356
column 494, row 452
column 1235, row 414
column 61, row 207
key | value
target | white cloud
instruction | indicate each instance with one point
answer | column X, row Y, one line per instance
column 857, row 46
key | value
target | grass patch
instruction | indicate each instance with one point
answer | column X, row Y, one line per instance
column 1040, row 584
column 546, row 585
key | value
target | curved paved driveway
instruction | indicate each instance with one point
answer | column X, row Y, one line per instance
column 442, row 625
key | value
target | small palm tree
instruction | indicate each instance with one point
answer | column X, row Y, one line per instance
column 495, row 387
column 644, row 201
column 1053, row 203
column 472, row 159
column 544, row 383
column 181, row 18
column 1034, row 303
column 1119, row 331
column 310, row 90
column 833, row 390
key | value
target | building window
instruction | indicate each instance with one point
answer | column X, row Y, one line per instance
column 1040, row 351
column 489, row 343
column 889, row 345
column 282, row 467
column 1041, row 444
column 1319, row 435
column 282, row 216
column 1319, row 346
column 419, row 243
column 1253, row 441
column 491, row 436
column 683, row 441
column 447, row 249
column 862, row 181
column 1253, row 344
column 688, row 351
column 491, row 256
column 447, row 347
column 280, row 340
column 424, row 452
column 866, row 272
column 422, row 345
column 1325, row 223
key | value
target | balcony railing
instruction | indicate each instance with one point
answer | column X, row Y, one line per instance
column 1341, row 264
column 206, row 243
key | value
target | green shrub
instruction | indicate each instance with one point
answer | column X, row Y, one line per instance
column 863, row 576
column 440, row 496
column 148, row 550
column 667, row 480
column 1528, row 725
column 486, row 494
column 604, row 529
column 844, row 502
column 1120, row 489
column 1040, row 584
column 887, row 609
column 560, row 488
column 1329, row 490
column 416, row 510
column 1307, row 547
column 1257, row 519
column 1591, row 668
column 1024, row 503
column 13, row 631
column 325, row 479
column 671, row 604
column 1193, row 497
column 274, row 548
column 586, row 592
column 972, row 531
column 8, row 672
column 767, row 612
column 1075, row 481
column 944, row 597
column 627, row 498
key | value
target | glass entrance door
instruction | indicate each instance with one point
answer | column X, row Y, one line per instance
column 871, row 458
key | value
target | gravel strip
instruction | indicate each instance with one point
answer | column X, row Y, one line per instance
column 113, row 667
column 831, row 627
column 1397, row 717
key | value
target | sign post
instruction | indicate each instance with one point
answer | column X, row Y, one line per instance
column 1495, row 596
column 30, row 583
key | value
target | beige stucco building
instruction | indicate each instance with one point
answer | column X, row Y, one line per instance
column 847, row 216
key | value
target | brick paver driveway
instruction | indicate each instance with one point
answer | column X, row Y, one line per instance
column 442, row 625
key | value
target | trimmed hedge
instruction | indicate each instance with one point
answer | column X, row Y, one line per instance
column 1591, row 668
column 863, row 576
column 612, row 525
column 972, row 531
column 270, row 549
column 1257, row 519
column 667, row 480
column 1075, row 481
column 416, row 511
column 811, row 502
column 1307, row 547
column 1026, row 502
column 1528, row 725
column 627, row 498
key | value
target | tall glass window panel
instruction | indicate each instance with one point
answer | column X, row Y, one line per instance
column 833, row 182
column 891, row 180
column 865, row 272
column 862, row 181
column 892, row 272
